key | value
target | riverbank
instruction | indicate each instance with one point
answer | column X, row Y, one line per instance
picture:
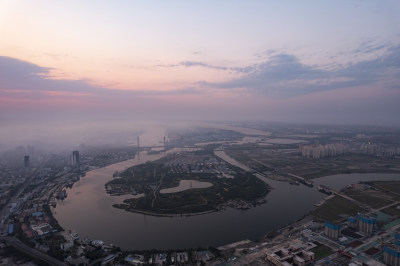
column 168, row 214
column 88, row 201
column 233, row 204
column 188, row 184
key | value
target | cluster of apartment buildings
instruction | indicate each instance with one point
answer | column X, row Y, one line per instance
column 317, row 151
column 356, row 241
column 379, row 150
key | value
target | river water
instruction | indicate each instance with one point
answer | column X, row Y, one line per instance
column 88, row 211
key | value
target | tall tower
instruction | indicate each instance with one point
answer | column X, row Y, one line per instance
column 75, row 158
column 164, row 145
column 332, row 230
column 138, row 148
column 391, row 255
column 366, row 224
column 26, row 161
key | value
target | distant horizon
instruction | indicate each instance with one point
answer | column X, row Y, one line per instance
column 287, row 62
column 65, row 136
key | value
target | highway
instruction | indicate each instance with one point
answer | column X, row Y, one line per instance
column 18, row 193
column 17, row 244
column 31, row 252
column 221, row 154
column 21, row 189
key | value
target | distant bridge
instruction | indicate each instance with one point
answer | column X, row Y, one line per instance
column 184, row 148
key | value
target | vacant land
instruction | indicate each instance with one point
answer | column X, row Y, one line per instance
column 333, row 208
column 390, row 188
column 393, row 211
column 321, row 251
column 281, row 159
column 373, row 198
column 376, row 194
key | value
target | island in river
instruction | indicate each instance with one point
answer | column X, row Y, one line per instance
column 187, row 183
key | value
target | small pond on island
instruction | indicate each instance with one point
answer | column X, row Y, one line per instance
column 185, row 185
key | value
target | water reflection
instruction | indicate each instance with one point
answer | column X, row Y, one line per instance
column 88, row 211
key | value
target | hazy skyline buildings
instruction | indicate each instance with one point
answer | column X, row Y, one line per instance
column 26, row 161
column 75, row 158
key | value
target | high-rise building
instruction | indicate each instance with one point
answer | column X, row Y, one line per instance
column 391, row 255
column 332, row 230
column 366, row 223
column 397, row 238
column 27, row 161
column 138, row 147
column 75, row 158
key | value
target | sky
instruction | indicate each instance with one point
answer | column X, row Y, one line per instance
column 311, row 61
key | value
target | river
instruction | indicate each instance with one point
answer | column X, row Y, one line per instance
column 88, row 211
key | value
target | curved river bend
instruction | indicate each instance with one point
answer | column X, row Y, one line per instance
column 88, row 211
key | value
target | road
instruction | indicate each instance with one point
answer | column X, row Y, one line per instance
column 31, row 252
column 221, row 154
column 156, row 191
column 12, row 199
column 18, row 193
column 340, row 194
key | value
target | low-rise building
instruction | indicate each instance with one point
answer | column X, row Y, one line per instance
column 67, row 245
column 295, row 252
